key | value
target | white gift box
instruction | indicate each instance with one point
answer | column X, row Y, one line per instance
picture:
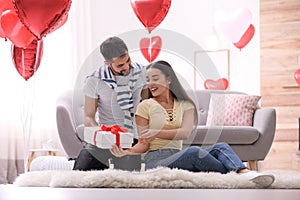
column 106, row 139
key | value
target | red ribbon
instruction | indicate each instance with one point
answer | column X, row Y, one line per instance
column 115, row 129
column 117, row 137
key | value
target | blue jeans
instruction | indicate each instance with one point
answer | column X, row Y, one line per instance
column 217, row 158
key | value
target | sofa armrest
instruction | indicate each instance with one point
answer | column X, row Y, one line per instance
column 264, row 120
column 65, row 125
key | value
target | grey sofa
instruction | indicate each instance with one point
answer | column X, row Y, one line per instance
column 251, row 143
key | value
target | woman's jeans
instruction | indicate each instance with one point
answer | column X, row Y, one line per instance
column 217, row 158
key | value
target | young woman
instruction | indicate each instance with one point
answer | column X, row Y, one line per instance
column 166, row 119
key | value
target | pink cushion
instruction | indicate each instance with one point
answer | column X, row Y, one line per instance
column 231, row 109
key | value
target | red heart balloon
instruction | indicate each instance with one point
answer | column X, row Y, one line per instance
column 60, row 23
column 297, row 76
column 247, row 36
column 220, row 84
column 150, row 12
column 41, row 16
column 27, row 60
column 14, row 30
column 150, row 47
column 5, row 5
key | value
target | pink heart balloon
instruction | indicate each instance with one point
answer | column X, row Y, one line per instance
column 220, row 84
column 150, row 47
column 41, row 16
column 150, row 12
column 245, row 38
column 27, row 60
column 233, row 25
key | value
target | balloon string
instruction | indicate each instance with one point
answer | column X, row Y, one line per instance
column 26, row 116
column 150, row 47
column 23, row 64
column 37, row 55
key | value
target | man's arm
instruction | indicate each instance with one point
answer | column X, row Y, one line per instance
column 90, row 109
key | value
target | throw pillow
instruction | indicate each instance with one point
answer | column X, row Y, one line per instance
column 231, row 109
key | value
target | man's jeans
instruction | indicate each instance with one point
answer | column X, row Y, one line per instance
column 93, row 158
column 217, row 158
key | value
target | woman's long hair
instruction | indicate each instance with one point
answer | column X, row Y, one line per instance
column 177, row 91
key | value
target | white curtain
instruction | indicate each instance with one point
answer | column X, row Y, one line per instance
column 28, row 108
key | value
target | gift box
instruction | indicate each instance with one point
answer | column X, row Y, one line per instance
column 106, row 136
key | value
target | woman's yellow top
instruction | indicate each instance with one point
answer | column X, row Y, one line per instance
column 160, row 118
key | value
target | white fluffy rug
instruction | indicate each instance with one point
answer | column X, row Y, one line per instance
column 156, row 178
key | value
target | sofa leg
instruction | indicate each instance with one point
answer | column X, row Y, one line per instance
column 252, row 164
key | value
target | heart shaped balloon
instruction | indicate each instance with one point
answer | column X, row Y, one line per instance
column 297, row 76
column 41, row 16
column 60, row 23
column 220, row 84
column 245, row 38
column 4, row 6
column 151, row 12
column 14, row 29
column 27, row 60
column 233, row 25
column 150, row 47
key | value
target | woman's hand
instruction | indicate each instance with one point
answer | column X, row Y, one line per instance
column 148, row 135
column 118, row 151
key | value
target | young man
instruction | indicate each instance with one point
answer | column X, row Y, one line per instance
column 112, row 94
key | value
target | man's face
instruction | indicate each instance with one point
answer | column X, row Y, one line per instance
column 120, row 66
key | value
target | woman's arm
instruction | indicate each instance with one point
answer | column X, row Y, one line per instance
column 147, row 135
column 139, row 148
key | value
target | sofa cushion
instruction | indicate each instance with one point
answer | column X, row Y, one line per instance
column 228, row 134
column 231, row 109
column 202, row 100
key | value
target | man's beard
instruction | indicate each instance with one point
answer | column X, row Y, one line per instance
column 121, row 73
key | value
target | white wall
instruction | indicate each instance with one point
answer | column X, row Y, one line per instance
column 67, row 49
column 193, row 19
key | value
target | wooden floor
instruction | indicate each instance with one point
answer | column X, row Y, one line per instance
column 282, row 156
column 20, row 193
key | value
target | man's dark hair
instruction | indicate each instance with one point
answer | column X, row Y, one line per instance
column 113, row 47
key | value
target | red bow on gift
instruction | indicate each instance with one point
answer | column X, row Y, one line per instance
column 115, row 129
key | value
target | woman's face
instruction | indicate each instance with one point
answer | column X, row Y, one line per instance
column 157, row 82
